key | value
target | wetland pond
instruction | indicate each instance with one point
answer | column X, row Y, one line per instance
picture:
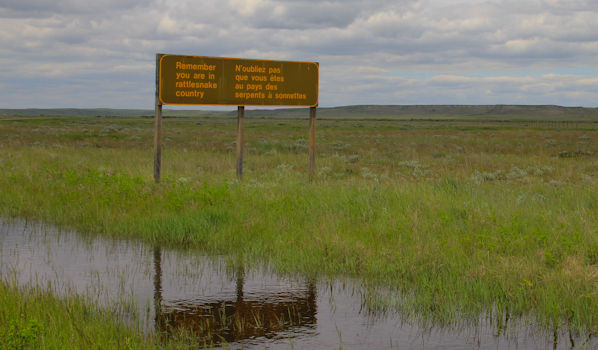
column 233, row 306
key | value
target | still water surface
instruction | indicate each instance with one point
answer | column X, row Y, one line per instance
column 225, row 303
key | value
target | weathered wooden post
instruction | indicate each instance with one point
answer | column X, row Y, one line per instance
column 158, row 125
column 312, row 142
column 240, row 123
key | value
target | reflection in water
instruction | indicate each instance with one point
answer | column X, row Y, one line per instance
column 247, row 308
column 157, row 284
column 236, row 318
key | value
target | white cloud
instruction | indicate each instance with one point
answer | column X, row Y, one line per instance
column 247, row 7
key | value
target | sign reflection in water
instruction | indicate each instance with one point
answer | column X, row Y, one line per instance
column 234, row 319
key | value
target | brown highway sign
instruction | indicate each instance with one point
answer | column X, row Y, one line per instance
column 198, row 80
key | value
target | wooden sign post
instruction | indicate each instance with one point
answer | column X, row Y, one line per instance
column 240, row 126
column 158, row 126
column 199, row 80
column 312, row 142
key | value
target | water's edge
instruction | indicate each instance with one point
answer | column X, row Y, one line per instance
column 164, row 290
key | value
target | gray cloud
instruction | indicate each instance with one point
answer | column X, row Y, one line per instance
column 273, row 14
column 90, row 50
column 49, row 7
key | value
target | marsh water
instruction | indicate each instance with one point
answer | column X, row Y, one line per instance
column 229, row 304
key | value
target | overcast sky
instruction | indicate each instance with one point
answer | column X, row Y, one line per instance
column 101, row 53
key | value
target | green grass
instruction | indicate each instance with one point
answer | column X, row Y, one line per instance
column 33, row 317
column 454, row 218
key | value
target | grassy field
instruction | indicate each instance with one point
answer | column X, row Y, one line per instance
column 456, row 218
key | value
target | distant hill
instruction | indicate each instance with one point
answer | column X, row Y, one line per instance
column 104, row 112
column 495, row 112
